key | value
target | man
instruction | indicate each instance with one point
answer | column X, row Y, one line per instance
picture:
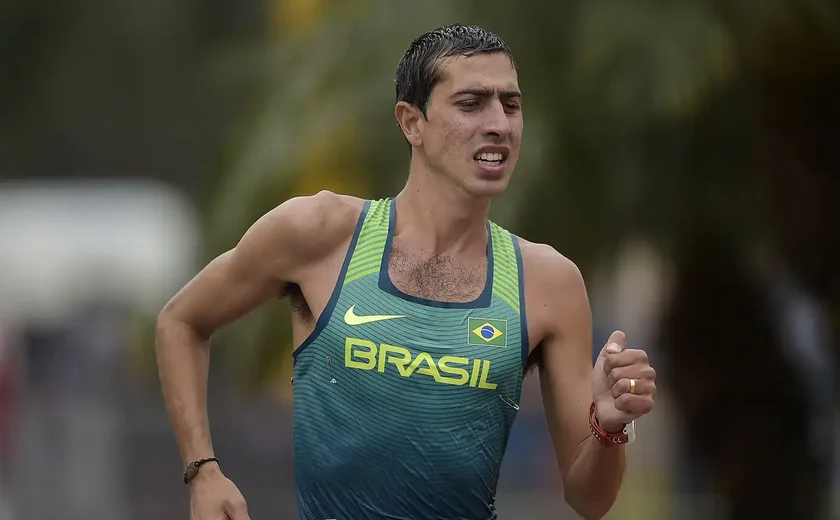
column 412, row 338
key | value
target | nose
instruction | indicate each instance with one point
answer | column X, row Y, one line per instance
column 496, row 122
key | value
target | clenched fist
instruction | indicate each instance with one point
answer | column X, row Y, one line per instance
column 214, row 497
column 623, row 384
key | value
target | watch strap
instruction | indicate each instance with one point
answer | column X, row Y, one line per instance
column 626, row 436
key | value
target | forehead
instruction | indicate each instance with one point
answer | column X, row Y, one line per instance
column 489, row 71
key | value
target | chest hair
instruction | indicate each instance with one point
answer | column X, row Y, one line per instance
column 436, row 277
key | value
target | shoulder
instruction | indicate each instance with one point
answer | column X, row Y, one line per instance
column 316, row 218
column 302, row 229
column 548, row 270
column 555, row 292
column 311, row 220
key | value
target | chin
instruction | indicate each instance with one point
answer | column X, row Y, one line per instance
column 491, row 180
column 480, row 187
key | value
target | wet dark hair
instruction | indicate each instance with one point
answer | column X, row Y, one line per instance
column 419, row 69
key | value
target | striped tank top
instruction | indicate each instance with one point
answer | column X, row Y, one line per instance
column 403, row 405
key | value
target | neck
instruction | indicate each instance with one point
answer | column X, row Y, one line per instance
column 440, row 216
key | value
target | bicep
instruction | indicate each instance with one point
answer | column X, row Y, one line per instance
column 566, row 369
column 271, row 254
column 230, row 286
column 239, row 280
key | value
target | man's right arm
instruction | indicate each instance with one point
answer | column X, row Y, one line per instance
column 271, row 254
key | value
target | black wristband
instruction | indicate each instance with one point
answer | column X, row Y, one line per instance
column 192, row 468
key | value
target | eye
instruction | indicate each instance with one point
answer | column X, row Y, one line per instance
column 468, row 103
column 512, row 107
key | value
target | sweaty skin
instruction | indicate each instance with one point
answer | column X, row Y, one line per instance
column 442, row 211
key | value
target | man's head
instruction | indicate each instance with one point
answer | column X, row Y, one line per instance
column 459, row 106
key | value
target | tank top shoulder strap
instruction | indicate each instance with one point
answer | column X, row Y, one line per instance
column 506, row 267
column 370, row 246
column 508, row 278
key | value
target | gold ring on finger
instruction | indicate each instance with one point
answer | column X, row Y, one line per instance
column 632, row 386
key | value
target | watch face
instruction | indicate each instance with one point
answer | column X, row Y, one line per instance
column 630, row 431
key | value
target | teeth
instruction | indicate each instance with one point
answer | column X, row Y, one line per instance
column 489, row 157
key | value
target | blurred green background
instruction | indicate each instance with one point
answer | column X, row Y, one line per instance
column 681, row 153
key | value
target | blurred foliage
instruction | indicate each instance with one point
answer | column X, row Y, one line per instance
column 649, row 119
column 704, row 128
column 642, row 119
column 120, row 89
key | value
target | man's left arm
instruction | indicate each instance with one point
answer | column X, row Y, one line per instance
column 592, row 471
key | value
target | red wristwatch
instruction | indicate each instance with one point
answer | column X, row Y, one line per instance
column 626, row 436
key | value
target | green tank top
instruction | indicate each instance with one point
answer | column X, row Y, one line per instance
column 402, row 405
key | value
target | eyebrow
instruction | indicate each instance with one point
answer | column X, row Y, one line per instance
column 488, row 92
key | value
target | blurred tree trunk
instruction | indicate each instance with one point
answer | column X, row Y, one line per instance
column 744, row 407
column 797, row 156
column 756, row 402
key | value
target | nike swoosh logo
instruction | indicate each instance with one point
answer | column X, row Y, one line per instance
column 351, row 318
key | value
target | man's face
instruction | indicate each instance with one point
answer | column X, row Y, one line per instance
column 473, row 128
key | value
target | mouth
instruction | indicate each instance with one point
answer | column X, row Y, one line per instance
column 490, row 158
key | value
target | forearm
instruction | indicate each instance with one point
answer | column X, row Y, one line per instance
column 183, row 360
column 592, row 483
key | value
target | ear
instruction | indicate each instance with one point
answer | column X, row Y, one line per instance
column 411, row 122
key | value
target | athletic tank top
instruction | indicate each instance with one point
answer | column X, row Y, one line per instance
column 402, row 405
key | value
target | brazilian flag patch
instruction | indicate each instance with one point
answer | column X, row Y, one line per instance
column 483, row 331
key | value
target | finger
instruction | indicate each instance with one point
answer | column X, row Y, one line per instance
column 625, row 358
column 617, row 342
column 237, row 510
column 634, row 405
column 605, row 351
column 613, row 345
column 639, row 387
column 636, row 371
column 242, row 515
